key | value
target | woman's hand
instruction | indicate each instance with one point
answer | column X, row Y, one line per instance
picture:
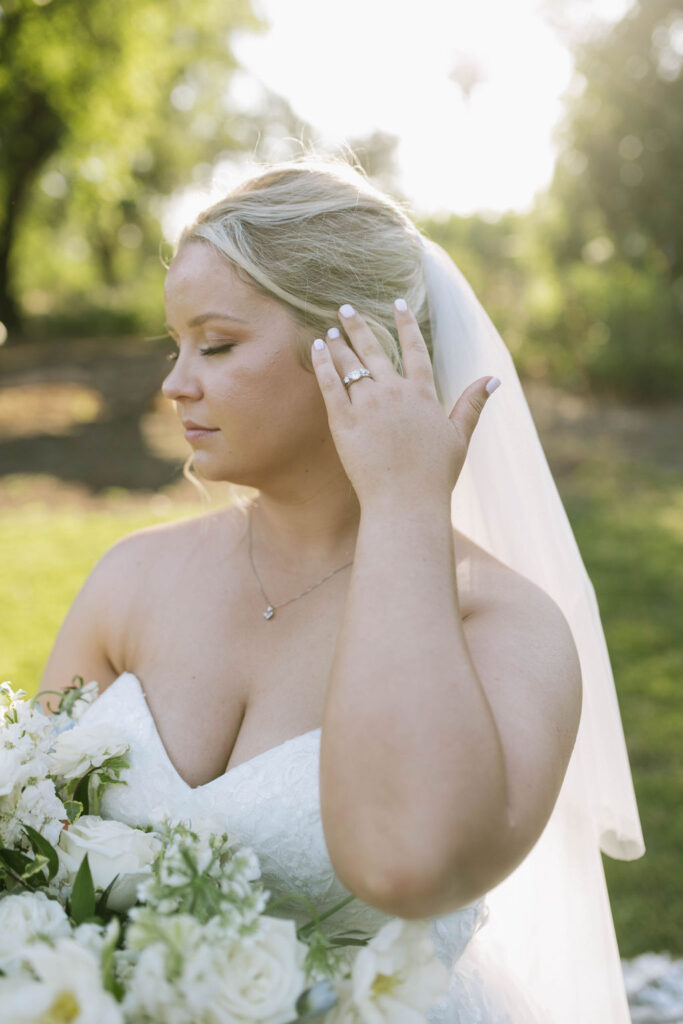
column 391, row 433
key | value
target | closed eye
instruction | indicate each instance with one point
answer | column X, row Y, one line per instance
column 172, row 356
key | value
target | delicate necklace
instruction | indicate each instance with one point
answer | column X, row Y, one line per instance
column 270, row 610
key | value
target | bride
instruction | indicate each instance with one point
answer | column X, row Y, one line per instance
column 370, row 675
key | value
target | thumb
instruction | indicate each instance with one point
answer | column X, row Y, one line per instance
column 467, row 410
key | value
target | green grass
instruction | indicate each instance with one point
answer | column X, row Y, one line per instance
column 45, row 557
column 628, row 521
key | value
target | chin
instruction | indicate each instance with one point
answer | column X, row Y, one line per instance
column 215, row 472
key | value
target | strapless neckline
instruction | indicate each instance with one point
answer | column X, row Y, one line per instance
column 271, row 805
column 139, row 692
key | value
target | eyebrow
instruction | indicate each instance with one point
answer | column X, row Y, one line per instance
column 197, row 321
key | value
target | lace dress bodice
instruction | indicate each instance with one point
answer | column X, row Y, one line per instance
column 271, row 804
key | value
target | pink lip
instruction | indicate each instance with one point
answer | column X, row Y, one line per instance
column 193, row 425
column 195, row 432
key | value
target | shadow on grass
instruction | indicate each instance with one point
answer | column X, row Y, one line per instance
column 111, row 451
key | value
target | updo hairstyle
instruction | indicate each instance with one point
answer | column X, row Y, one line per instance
column 315, row 233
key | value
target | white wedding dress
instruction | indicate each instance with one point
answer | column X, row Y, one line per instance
column 271, row 804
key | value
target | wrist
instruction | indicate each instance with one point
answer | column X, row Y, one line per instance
column 409, row 503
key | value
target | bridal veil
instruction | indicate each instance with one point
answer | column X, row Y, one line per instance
column 550, row 921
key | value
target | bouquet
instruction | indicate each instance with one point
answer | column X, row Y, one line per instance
column 104, row 923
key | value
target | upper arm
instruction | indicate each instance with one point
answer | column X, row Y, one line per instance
column 525, row 656
column 87, row 643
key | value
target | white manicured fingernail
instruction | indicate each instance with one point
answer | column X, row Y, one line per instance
column 333, row 332
column 401, row 305
column 318, row 343
column 346, row 310
column 492, row 385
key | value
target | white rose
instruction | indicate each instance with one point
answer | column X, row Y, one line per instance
column 25, row 916
column 113, row 848
column 259, row 978
column 68, row 988
column 84, row 747
column 397, row 976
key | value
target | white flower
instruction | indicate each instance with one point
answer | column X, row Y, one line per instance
column 27, row 916
column 34, row 804
column 68, row 988
column 181, row 933
column 40, row 807
column 259, row 977
column 150, row 996
column 166, row 968
column 22, row 721
column 113, row 848
column 84, row 747
column 395, row 979
column 95, row 936
column 15, row 769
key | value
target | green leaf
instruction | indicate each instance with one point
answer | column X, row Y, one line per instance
column 346, row 940
column 101, row 907
column 15, row 860
column 83, row 894
column 116, row 763
column 81, row 793
column 94, row 793
column 109, row 980
column 74, row 809
column 70, row 695
column 39, row 844
column 36, row 868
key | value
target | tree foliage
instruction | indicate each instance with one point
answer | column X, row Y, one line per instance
column 101, row 105
column 620, row 170
column 611, row 222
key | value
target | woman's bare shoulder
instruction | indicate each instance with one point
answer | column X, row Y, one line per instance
column 163, row 538
column 135, row 571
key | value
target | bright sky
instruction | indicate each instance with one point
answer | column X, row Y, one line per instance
column 350, row 67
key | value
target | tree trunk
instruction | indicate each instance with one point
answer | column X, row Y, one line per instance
column 32, row 141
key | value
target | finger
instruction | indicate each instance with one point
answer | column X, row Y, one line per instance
column 364, row 343
column 467, row 410
column 343, row 356
column 417, row 365
column 333, row 391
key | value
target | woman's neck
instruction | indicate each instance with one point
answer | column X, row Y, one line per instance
column 314, row 532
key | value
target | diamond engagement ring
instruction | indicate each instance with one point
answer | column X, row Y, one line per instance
column 355, row 375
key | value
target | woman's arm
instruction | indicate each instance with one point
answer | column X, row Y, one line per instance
column 441, row 759
column 443, row 747
column 412, row 768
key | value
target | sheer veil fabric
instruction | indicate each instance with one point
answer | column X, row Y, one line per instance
column 550, row 921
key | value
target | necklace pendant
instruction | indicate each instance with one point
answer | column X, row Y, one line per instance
column 269, row 612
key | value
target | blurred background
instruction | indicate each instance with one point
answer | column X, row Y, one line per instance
column 539, row 141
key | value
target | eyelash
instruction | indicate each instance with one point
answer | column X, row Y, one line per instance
column 172, row 356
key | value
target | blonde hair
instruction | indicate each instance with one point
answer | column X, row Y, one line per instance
column 313, row 233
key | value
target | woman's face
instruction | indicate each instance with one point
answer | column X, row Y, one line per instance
column 266, row 412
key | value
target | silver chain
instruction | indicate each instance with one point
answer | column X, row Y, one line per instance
column 270, row 610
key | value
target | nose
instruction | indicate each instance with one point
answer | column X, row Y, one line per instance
column 180, row 382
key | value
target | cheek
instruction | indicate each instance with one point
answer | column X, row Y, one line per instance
column 277, row 389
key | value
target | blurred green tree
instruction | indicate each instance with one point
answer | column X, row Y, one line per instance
column 620, row 170
column 611, row 222
column 102, row 105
